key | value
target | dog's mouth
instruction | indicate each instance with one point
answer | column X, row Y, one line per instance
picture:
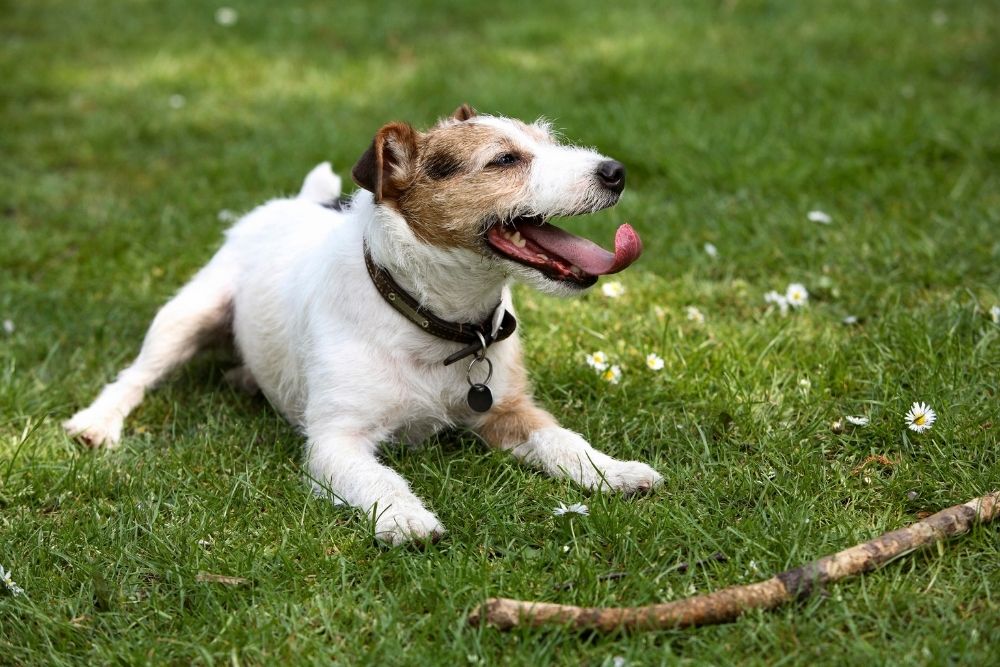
column 559, row 255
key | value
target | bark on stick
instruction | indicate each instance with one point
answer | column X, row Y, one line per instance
column 728, row 603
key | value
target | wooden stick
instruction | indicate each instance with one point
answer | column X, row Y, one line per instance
column 728, row 603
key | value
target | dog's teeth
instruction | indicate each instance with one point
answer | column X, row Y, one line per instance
column 576, row 270
column 518, row 241
column 542, row 257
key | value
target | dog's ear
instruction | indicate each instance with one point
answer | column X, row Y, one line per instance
column 387, row 165
column 464, row 112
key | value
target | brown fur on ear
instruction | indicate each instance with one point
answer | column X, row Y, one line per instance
column 387, row 165
column 464, row 112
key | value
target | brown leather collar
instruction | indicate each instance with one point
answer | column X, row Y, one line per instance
column 476, row 336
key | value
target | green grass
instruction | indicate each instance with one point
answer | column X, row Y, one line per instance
column 734, row 119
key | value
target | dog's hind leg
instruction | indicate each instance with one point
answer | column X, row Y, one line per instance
column 200, row 310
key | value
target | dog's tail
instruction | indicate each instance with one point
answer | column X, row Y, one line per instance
column 321, row 186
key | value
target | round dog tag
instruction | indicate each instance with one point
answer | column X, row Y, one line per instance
column 480, row 398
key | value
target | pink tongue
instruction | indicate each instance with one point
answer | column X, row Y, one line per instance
column 589, row 256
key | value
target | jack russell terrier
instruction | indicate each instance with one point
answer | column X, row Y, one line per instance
column 389, row 317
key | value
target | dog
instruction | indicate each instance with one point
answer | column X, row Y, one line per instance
column 388, row 317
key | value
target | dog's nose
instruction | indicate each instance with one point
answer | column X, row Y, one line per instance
column 612, row 175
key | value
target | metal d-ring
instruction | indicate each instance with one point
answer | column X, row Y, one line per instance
column 481, row 353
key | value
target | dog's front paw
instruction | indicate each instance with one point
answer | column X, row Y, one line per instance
column 628, row 477
column 94, row 429
column 399, row 524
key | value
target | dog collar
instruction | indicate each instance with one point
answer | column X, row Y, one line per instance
column 476, row 336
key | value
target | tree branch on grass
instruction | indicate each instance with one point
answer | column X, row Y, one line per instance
column 729, row 603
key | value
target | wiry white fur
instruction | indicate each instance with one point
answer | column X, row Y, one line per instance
column 340, row 363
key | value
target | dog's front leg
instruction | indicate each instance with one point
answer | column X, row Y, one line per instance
column 532, row 435
column 345, row 465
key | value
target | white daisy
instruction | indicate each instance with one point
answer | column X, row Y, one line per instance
column 994, row 315
column 612, row 375
column 820, row 217
column 695, row 315
column 8, row 582
column 797, row 295
column 597, row 360
column 226, row 16
column 612, row 289
column 177, row 101
column 920, row 417
column 857, row 421
column 575, row 508
column 850, row 319
column 777, row 299
column 654, row 362
column 8, row 326
column 711, row 250
column 805, row 384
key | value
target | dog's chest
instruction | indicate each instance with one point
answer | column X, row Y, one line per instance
column 426, row 397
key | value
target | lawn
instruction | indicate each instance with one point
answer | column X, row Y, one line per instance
column 132, row 130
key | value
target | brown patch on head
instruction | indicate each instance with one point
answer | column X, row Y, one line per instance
column 465, row 173
column 448, row 181
column 512, row 421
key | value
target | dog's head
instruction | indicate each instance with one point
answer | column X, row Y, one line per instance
column 488, row 186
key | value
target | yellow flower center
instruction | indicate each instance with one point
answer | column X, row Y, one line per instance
column 920, row 419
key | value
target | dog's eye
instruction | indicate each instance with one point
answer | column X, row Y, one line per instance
column 505, row 160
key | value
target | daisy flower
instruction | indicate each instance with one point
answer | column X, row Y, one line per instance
column 613, row 289
column 176, row 101
column 575, row 508
column 850, row 320
column 995, row 314
column 597, row 360
column 820, row 217
column 796, row 295
column 226, row 16
column 8, row 582
column 920, row 417
column 711, row 250
column 857, row 421
column 8, row 326
column 777, row 299
column 695, row 315
column 612, row 375
column 654, row 362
